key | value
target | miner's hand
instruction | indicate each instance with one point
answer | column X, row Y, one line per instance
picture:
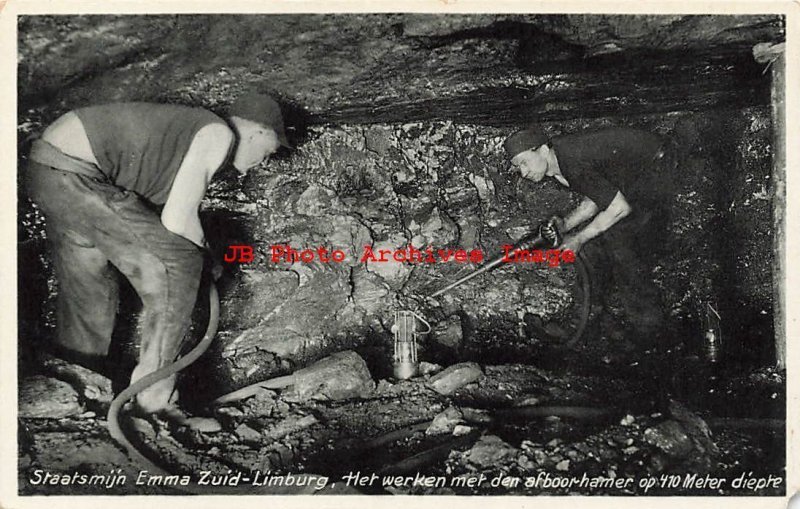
column 551, row 230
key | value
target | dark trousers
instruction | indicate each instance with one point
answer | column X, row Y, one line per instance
column 92, row 225
column 625, row 252
column 621, row 255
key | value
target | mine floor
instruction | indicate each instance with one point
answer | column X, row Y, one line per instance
column 657, row 414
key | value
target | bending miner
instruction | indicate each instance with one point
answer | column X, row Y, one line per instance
column 120, row 186
column 624, row 177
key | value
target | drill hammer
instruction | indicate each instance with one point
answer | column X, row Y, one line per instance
column 547, row 236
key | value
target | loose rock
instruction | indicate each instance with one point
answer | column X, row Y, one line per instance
column 489, row 451
column 455, row 377
column 289, row 425
column 203, row 424
column 92, row 386
column 695, row 427
column 670, row 437
column 247, row 434
column 261, row 404
column 445, row 422
column 229, row 416
column 428, row 368
column 343, row 375
column 40, row 396
column 461, row 430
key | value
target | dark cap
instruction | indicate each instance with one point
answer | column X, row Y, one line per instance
column 526, row 139
column 263, row 109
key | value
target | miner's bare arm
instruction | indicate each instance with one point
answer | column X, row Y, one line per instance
column 205, row 156
column 586, row 210
column 616, row 210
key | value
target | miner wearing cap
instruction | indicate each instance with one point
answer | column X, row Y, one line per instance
column 120, row 186
column 623, row 177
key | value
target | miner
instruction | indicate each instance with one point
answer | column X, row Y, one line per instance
column 623, row 176
column 120, row 186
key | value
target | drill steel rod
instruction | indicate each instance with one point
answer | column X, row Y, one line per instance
column 534, row 243
column 484, row 268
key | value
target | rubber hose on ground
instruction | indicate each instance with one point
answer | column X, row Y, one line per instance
column 143, row 383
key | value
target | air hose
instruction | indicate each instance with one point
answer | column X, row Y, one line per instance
column 586, row 301
column 160, row 374
column 143, row 383
column 582, row 268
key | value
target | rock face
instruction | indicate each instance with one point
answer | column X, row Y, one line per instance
column 618, row 32
column 281, row 315
column 360, row 190
column 418, row 56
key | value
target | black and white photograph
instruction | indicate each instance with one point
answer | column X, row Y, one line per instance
column 475, row 254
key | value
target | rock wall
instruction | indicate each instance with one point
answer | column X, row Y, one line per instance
column 444, row 184
column 437, row 185
column 399, row 139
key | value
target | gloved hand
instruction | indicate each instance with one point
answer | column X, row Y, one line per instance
column 552, row 231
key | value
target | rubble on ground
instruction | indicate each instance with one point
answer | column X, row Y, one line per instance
column 378, row 429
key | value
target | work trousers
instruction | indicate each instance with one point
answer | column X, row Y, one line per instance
column 92, row 225
column 625, row 252
column 626, row 249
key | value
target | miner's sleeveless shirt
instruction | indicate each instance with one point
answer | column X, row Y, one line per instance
column 140, row 146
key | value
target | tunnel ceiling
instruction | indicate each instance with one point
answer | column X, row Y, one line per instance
column 488, row 69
